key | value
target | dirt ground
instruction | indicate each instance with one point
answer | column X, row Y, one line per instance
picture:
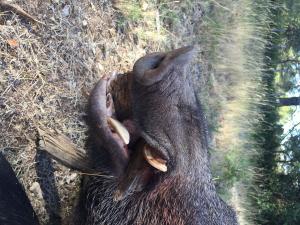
column 47, row 71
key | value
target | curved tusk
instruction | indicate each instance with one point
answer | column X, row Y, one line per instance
column 120, row 129
column 157, row 163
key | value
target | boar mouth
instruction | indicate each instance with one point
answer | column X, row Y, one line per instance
column 136, row 157
column 134, row 161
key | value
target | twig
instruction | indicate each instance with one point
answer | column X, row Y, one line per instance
column 290, row 131
column 18, row 10
column 218, row 4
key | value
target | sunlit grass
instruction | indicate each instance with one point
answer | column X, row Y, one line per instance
column 145, row 19
column 232, row 40
column 237, row 32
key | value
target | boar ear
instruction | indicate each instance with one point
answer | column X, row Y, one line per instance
column 64, row 150
column 152, row 68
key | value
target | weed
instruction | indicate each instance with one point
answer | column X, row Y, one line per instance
column 235, row 38
column 149, row 20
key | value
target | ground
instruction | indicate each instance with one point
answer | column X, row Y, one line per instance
column 47, row 70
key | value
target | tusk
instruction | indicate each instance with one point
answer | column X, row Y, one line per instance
column 157, row 163
column 120, row 129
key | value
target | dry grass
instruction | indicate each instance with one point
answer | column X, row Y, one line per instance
column 239, row 27
column 146, row 20
column 45, row 74
column 44, row 79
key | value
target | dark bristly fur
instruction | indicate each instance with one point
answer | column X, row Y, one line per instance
column 169, row 118
column 15, row 208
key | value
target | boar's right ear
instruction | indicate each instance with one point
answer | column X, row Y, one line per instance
column 64, row 150
column 152, row 68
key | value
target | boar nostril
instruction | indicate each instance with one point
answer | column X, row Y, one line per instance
column 156, row 63
column 146, row 64
column 152, row 68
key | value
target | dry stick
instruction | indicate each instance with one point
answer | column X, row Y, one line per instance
column 18, row 10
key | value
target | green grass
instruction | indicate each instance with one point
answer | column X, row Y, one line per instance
column 235, row 44
column 232, row 40
column 148, row 19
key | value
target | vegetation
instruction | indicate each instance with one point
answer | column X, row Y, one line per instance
column 256, row 53
column 277, row 190
column 236, row 47
column 250, row 60
column 148, row 19
column 250, row 52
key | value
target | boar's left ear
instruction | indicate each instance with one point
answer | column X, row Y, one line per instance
column 152, row 68
column 149, row 69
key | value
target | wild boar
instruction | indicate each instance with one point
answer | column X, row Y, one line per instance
column 149, row 137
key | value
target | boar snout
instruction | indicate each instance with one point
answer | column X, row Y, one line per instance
column 151, row 68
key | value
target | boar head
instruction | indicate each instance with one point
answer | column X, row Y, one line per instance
column 150, row 138
column 164, row 119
